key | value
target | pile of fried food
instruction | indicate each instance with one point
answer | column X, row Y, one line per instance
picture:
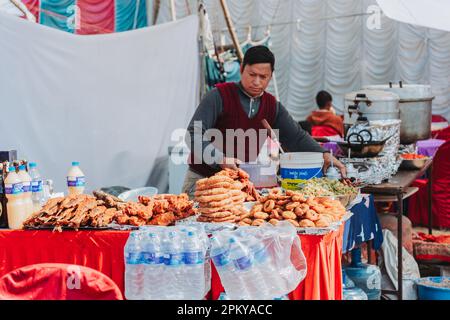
column 300, row 211
column 220, row 199
column 247, row 186
column 100, row 210
column 77, row 211
column 160, row 210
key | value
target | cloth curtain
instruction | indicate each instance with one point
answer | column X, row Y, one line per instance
column 93, row 16
column 338, row 55
column 418, row 12
column 110, row 101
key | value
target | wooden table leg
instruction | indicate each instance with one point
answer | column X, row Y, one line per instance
column 400, row 246
column 430, row 201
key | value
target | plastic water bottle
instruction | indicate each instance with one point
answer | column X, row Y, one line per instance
column 37, row 191
column 247, row 270
column 173, row 267
column 220, row 256
column 26, row 187
column 15, row 205
column 76, row 180
column 134, row 268
column 153, row 266
column 194, row 266
column 272, row 283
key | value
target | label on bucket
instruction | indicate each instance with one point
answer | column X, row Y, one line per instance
column 303, row 174
column 291, row 178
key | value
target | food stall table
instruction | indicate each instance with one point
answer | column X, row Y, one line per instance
column 398, row 187
column 323, row 279
column 104, row 251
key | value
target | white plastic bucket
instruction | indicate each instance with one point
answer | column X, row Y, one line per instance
column 297, row 167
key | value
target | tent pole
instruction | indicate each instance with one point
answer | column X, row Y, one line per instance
column 231, row 29
column 17, row 5
column 156, row 7
column 173, row 10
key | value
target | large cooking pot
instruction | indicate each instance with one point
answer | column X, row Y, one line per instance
column 415, row 109
column 373, row 104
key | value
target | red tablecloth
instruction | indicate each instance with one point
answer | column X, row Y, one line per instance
column 323, row 279
column 103, row 251
column 99, row 250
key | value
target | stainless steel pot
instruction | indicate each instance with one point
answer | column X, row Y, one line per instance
column 372, row 104
column 415, row 110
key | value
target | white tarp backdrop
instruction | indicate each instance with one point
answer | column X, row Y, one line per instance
column 429, row 13
column 108, row 101
column 337, row 54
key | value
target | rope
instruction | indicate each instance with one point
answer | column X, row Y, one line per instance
column 297, row 22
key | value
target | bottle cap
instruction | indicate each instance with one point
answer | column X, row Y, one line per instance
column 75, row 163
column 32, row 165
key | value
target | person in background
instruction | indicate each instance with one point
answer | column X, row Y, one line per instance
column 324, row 121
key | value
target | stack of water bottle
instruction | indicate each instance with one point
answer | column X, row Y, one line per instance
column 167, row 263
column 256, row 263
column 24, row 193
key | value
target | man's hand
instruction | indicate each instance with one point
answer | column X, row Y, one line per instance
column 327, row 157
column 230, row 163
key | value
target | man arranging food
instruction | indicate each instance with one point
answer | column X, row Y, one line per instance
column 235, row 108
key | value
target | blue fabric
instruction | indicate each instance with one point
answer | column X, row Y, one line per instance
column 56, row 14
column 362, row 226
column 125, row 13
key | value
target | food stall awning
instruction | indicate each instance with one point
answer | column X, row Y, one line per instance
column 430, row 13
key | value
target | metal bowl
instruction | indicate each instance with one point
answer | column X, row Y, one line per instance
column 414, row 164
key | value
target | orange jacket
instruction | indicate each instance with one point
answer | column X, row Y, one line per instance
column 326, row 118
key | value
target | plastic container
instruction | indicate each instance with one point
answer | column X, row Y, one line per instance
column 365, row 276
column 37, row 187
column 194, row 266
column 220, row 255
column 262, row 175
column 153, row 266
column 428, row 291
column 26, row 187
column 75, row 179
column 173, row 267
column 134, row 267
column 15, row 205
column 297, row 167
column 132, row 195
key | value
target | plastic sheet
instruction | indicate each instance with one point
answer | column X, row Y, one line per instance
column 259, row 263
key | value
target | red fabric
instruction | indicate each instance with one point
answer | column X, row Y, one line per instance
column 438, row 118
column 324, row 131
column 443, row 134
column 234, row 117
column 53, row 281
column 99, row 250
column 323, row 279
column 97, row 16
column 33, row 7
column 326, row 121
column 418, row 203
